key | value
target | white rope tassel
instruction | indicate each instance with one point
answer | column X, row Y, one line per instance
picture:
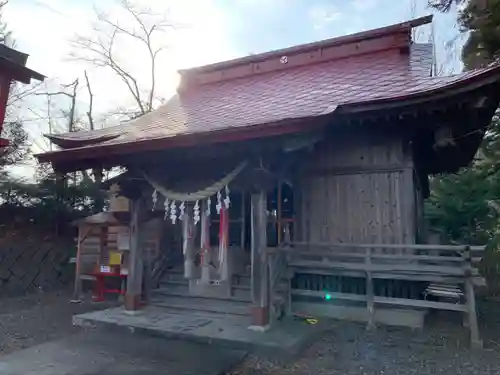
column 154, row 196
column 196, row 212
column 209, row 204
column 218, row 206
column 227, row 200
column 173, row 210
column 165, row 207
column 182, row 207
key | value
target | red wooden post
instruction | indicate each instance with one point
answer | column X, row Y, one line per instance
column 4, row 96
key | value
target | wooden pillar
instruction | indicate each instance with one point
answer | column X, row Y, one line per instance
column 103, row 244
column 224, row 261
column 260, row 269
column 205, row 244
column 77, row 291
column 279, row 208
column 243, row 213
column 147, row 268
column 135, row 269
column 188, row 236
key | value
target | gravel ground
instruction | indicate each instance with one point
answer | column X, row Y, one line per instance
column 347, row 348
column 34, row 319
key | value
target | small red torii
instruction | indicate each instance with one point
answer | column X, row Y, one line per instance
column 12, row 68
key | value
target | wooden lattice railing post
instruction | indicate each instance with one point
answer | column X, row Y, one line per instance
column 370, row 293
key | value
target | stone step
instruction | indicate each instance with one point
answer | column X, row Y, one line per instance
column 183, row 290
column 242, row 284
column 164, row 283
column 178, row 276
column 211, row 305
column 242, row 279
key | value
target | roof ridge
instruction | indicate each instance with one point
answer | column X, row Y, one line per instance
column 366, row 42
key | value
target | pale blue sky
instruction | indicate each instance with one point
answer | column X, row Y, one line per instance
column 216, row 30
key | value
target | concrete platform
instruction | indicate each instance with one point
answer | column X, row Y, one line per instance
column 285, row 338
column 104, row 353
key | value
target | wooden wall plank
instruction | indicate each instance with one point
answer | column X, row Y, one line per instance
column 358, row 207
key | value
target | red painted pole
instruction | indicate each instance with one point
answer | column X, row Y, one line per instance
column 4, row 96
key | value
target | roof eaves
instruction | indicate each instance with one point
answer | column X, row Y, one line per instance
column 469, row 83
column 62, row 141
column 465, row 84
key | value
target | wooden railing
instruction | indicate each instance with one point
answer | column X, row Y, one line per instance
column 432, row 263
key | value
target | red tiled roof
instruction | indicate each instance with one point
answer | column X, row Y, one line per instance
column 298, row 92
column 294, row 93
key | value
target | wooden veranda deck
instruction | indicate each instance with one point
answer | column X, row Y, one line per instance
column 437, row 276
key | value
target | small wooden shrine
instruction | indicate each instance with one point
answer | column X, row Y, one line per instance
column 103, row 246
column 293, row 182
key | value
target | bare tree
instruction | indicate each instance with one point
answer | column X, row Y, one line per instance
column 99, row 49
column 91, row 103
column 70, row 114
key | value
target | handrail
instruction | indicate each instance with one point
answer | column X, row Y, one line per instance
column 369, row 259
column 408, row 251
column 391, row 246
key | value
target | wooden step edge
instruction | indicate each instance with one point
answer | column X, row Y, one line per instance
column 241, row 286
column 201, row 307
column 174, row 282
column 174, row 293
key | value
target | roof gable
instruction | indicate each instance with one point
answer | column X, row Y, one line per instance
column 396, row 36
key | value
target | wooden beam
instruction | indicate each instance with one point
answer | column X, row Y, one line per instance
column 384, row 300
column 135, row 269
column 403, row 268
column 385, row 246
column 344, row 253
column 356, row 170
column 260, row 269
column 382, row 275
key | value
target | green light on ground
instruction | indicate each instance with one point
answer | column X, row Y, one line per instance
column 328, row 296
